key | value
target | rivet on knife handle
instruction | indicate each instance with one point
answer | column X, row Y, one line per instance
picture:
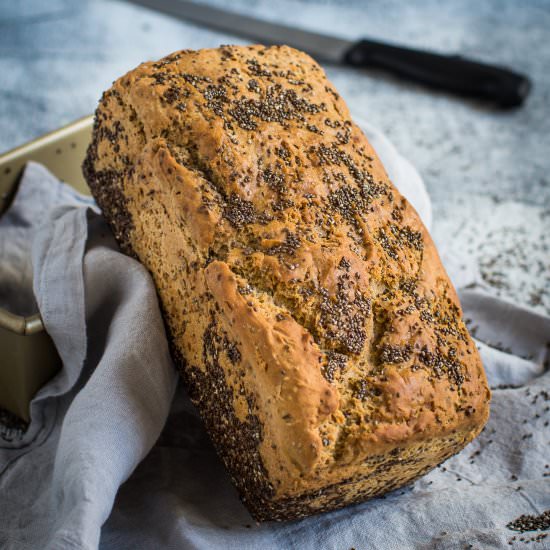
column 452, row 73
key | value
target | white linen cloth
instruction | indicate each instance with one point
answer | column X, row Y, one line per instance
column 88, row 472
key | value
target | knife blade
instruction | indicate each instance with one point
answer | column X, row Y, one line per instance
column 451, row 73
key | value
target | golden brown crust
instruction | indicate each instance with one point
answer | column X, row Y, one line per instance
column 296, row 282
column 289, row 386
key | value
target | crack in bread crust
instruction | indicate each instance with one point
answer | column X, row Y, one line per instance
column 347, row 369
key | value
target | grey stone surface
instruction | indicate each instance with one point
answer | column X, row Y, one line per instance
column 57, row 57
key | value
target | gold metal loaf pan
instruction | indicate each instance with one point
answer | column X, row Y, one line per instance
column 28, row 358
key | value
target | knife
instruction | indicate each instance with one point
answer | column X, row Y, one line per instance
column 452, row 73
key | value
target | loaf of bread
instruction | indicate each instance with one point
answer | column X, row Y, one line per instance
column 307, row 309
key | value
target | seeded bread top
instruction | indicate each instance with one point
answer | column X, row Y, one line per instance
column 343, row 319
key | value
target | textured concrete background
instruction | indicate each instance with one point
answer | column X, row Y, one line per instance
column 482, row 167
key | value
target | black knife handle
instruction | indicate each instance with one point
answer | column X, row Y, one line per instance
column 448, row 72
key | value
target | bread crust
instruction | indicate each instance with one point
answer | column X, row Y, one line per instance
column 306, row 305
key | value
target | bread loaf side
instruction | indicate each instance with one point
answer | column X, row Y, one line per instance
column 308, row 311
